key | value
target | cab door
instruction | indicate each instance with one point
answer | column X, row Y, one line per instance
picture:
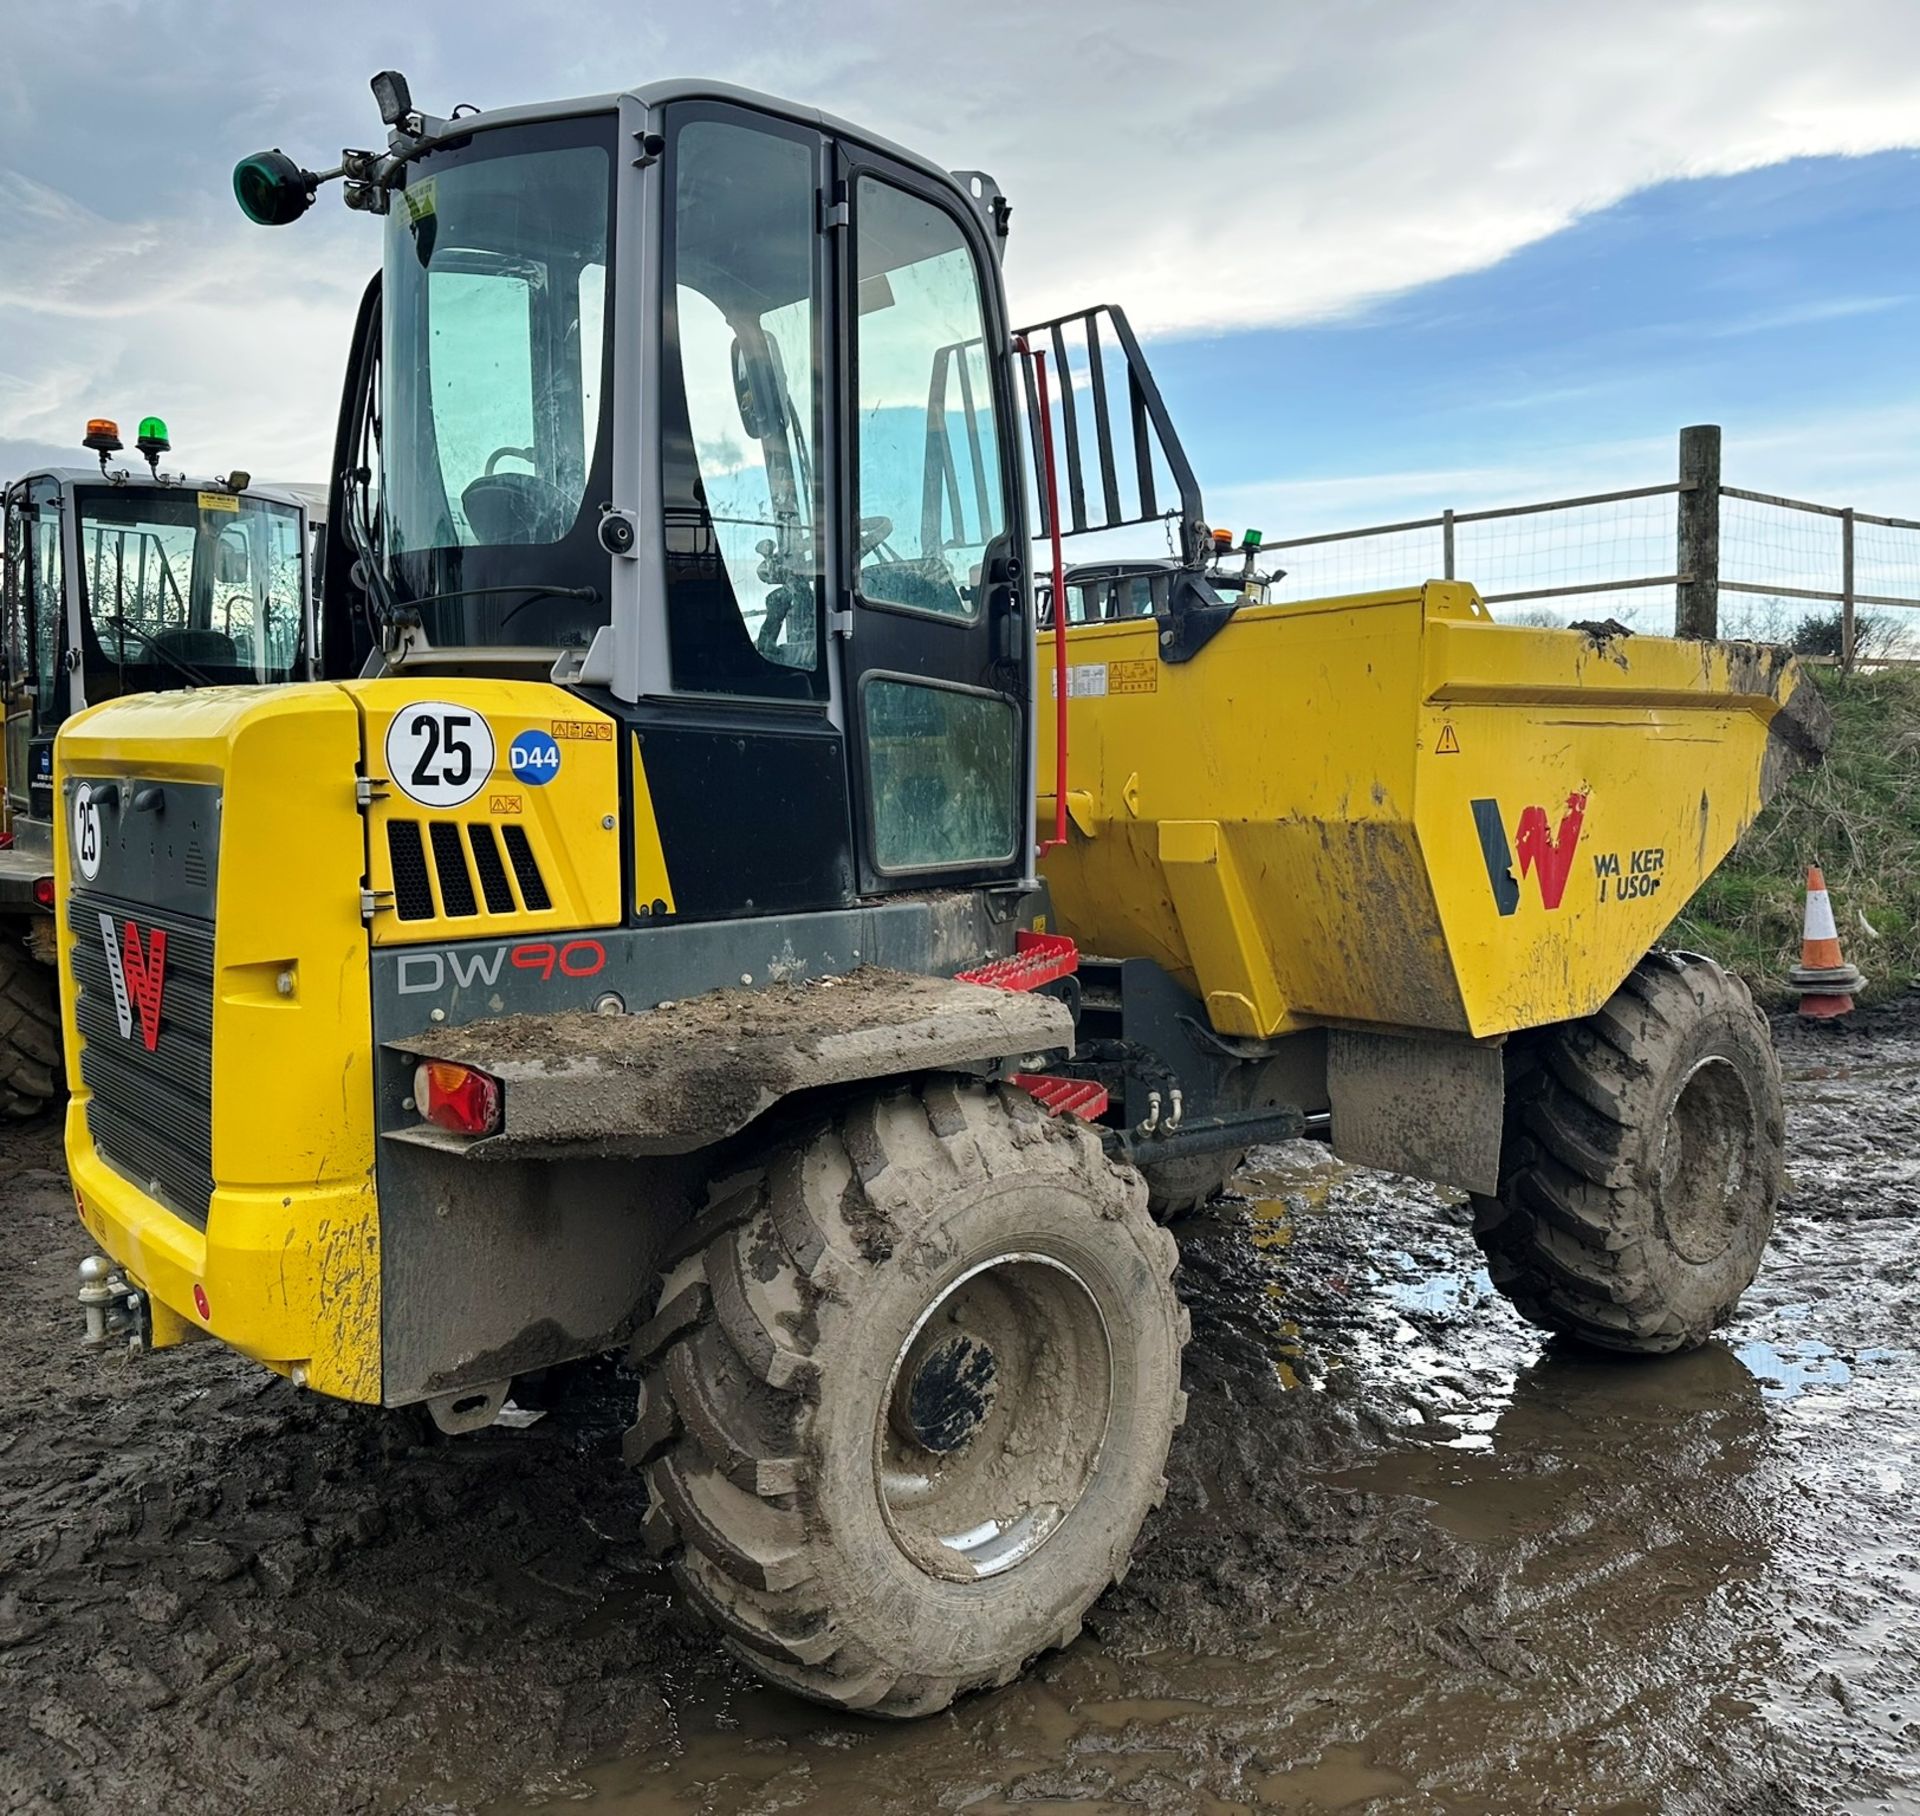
column 39, row 625
column 937, row 651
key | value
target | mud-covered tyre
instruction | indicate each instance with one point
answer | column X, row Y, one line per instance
column 1642, row 1161
column 908, row 1396
column 1178, row 1188
column 32, row 1077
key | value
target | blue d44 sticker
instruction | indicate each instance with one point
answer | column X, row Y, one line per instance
column 535, row 758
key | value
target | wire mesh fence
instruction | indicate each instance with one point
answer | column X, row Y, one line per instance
column 1692, row 553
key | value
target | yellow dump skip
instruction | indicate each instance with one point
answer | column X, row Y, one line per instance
column 1389, row 809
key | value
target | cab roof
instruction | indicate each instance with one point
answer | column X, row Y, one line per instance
column 979, row 188
column 68, row 477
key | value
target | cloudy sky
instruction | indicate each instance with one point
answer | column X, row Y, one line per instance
column 1391, row 255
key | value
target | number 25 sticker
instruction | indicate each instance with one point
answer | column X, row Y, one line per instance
column 439, row 755
column 86, row 832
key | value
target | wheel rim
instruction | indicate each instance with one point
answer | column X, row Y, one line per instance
column 1705, row 1160
column 995, row 1416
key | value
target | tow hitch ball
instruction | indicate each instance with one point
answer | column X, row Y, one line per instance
column 111, row 1306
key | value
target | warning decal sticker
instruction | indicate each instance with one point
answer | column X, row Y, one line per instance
column 1085, row 681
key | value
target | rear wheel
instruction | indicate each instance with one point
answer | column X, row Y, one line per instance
column 1642, row 1162
column 909, row 1398
column 32, row 1077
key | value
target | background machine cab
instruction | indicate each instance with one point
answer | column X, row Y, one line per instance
column 115, row 581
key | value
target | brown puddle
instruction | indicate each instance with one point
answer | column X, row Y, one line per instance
column 1413, row 1558
column 1416, row 1558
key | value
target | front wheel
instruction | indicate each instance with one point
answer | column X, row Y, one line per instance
column 909, row 1398
column 32, row 1076
column 1642, row 1162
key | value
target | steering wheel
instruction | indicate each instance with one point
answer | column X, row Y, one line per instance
column 874, row 532
column 500, row 454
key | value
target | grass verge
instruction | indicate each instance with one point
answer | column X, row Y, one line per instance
column 1858, row 817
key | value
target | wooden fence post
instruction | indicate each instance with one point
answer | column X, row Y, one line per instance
column 1696, row 602
column 1846, row 591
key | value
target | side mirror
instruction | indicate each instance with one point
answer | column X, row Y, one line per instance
column 756, row 393
column 272, row 190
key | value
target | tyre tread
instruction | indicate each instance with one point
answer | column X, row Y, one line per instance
column 725, row 1393
column 1554, row 1235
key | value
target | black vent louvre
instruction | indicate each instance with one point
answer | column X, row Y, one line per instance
column 493, row 873
column 412, row 894
column 533, row 888
column 450, row 865
column 151, row 1113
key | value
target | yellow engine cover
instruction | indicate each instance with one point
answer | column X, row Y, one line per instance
column 286, row 1265
column 1390, row 810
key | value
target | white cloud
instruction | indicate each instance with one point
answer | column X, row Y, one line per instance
column 1247, row 164
column 1214, row 167
column 236, row 340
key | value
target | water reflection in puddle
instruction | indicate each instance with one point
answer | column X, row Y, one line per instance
column 1553, row 1581
column 1388, row 1311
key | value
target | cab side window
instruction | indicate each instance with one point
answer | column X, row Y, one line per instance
column 47, row 570
column 930, row 492
column 740, row 412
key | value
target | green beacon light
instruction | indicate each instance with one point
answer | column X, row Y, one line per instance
column 272, row 190
column 1250, row 549
column 152, row 441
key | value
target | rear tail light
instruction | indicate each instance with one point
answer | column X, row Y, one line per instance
column 43, row 891
column 456, row 1098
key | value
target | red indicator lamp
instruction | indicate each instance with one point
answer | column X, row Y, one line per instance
column 456, row 1098
column 43, row 891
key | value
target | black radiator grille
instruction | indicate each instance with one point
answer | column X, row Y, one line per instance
column 450, row 865
column 151, row 1112
column 412, row 893
column 533, row 890
column 493, row 873
column 434, row 879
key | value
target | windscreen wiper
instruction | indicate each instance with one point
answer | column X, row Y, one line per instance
column 589, row 595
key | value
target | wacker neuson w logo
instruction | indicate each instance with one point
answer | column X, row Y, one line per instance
column 1541, row 850
column 139, row 976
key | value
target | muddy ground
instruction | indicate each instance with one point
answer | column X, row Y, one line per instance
column 1414, row 1558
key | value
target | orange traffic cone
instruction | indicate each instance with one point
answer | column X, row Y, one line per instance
column 1825, row 980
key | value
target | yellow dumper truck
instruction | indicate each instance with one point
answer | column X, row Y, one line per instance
column 646, row 952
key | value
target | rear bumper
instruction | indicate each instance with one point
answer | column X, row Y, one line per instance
column 19, row 871
column 280, row 1275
